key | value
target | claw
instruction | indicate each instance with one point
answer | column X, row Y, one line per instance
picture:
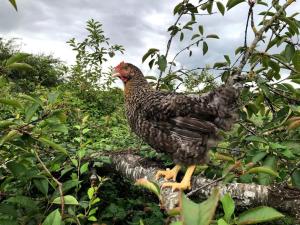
column 168, row 174
column 184, row 184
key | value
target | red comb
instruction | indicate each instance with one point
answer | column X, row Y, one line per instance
column 120, row 65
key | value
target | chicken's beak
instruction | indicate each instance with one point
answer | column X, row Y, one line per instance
column 115, row 74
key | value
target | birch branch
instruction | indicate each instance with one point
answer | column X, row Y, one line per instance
column 245, row 195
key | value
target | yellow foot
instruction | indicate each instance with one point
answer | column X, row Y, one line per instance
column 177, row 186
column 185, row 183
column 168, row 174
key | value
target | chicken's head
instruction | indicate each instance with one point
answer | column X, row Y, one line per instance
column 126, row 72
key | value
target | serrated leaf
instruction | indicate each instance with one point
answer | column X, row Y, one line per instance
column 221, row 8
column 68, row 200
column 204, row 47
column 259, row 215
column 199, row 214
column 231, row 3
column 54, row 218
column 53, row 145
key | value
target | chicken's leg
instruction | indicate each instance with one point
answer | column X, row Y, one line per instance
column 185, row 183
column 168, row 174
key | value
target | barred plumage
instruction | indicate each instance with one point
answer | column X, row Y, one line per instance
column 183, row 126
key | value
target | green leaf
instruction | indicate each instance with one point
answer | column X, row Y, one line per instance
column 269, row 162
column 14, row 4
column 213, row 36
column 153, row 187
column 54, row 218
column 231, row 3
column 30, row 111
column 289, row 52
column 6, row 123
column 41, row 184
column 199, row 214
column 32, row 99
column 227, row 59
column 10, row 136
column 151, row 77
column 19, row 66
column 151, row 51
column 200, row 29
column 258, row 156
column 296, row 60
column 204, row 47
column 11, row 102
column 222, row 222
column 181, row 36
column 52, row 97
column 259, row 215
column 195, row 36
column 91, row 192
column 68, row 200
column 162, row 63
column 296, row 178
column 228, row 206
column 274, row 66
column 92, row 218
column 53, row 145
column 263, row 169
column 16, row 58
column 253, row 138
column 84, row 168
column 221, row 8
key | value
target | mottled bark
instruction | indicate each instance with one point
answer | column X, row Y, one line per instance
column 245, row 195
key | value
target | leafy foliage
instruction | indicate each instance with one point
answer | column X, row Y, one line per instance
column 54, row 118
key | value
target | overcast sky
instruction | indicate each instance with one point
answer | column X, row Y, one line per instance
column 44, row 26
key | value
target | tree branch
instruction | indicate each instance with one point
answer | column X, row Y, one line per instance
column 237, row 75
column 245, row 195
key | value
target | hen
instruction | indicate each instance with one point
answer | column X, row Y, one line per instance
column 182, row 126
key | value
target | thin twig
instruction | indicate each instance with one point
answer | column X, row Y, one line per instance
column 204, row 186
column 59, row 184
column 185, row 48
column 257, row 38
